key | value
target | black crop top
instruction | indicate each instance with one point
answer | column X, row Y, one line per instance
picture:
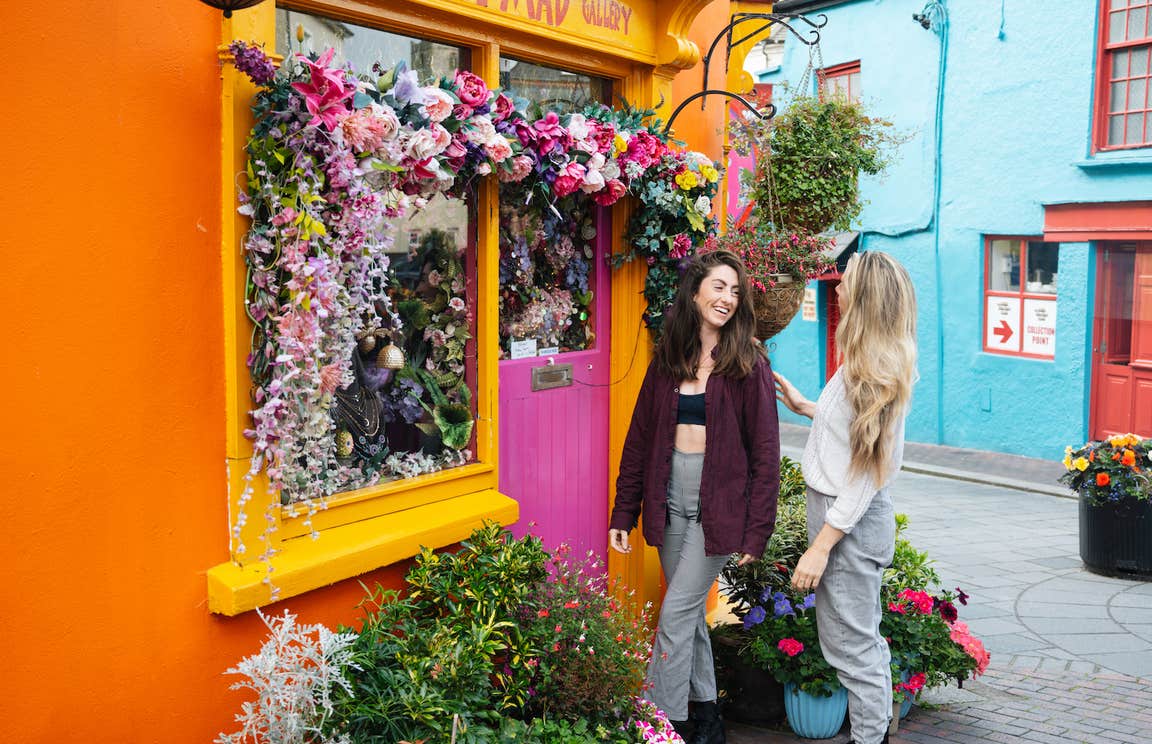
column 690, row 409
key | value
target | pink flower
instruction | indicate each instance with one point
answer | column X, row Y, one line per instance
column 425, row 143
column 502, row 107
column 922, row 600
column 329, row 377
column 680, row 246
column 326, row 95
column 611, row 193
column 364, row 131
column 896, row 607
column 916, row 682
column 471, row 89
column 790, row 646
column 437, row 104
column 498, row 149
column 569, row 180
column 549, row 135
column 520, row 167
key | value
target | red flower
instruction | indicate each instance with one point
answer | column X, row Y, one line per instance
column 1103, row 479
column 571, row 605
column 896, row 607
column 948, row 611
column 542, row 613
column 790, row 646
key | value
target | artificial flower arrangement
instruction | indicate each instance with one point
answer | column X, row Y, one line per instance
column 1111, row 470
column 538, row 647
column 335, row 160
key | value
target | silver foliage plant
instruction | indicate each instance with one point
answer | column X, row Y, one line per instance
column 293, row 677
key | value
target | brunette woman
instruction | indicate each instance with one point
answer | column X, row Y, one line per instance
column 702, row 461
column 854, row 450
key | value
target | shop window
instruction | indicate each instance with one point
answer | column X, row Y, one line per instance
column 842, row 81
column 1020, row 297
column 1124, row 71
column 547, row 271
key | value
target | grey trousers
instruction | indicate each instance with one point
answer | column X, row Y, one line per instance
column 681, row 666
column 848, row 612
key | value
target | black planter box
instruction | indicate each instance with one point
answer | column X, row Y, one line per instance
column 750, row 694
column 1116, row 538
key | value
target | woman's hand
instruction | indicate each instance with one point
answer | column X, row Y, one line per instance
column 618, row 539
column 809, row 569
column 745, row 559
column 787, row 394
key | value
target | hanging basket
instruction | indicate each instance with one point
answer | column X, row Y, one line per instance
column 776, row 306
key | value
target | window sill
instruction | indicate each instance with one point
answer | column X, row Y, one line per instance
column 304, row 564
column 1117, row 159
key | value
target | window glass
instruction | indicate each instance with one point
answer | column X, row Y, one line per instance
column 1004, row 267
column 409, row 407
column 547, row 266
column 1043, row 260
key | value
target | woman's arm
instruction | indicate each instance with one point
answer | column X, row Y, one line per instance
column 787, row 394
column 633, row 462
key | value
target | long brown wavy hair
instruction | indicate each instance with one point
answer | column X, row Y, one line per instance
column 678, row 353
column 877, row 336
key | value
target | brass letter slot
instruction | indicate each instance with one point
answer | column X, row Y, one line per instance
column 551, row 376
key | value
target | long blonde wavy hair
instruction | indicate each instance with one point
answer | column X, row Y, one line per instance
column 877, row 339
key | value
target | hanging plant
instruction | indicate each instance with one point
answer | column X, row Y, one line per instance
column 809, row 161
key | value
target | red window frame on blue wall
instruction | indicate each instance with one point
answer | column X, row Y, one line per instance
column 1123, row 115
column 841, row 72
column 1021, row 292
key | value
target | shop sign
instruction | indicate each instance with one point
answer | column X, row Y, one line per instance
column 522, row 349
column 612, row 15
column 1039, row 327
column 808, row 307
column 1002, row 324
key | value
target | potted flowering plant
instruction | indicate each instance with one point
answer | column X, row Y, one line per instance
column 1112, row 478
column 783, row 639
column 779, row 263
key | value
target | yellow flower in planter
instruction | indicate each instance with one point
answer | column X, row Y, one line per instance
column 687, row 180
column 1068, row 461
column 711, row 175
column 1080, row 463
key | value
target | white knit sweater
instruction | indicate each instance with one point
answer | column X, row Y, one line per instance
column 827, row 454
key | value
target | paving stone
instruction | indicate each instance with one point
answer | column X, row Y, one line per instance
column 1100, row 643
column 1045, row 626
column 1026, row 608
column 1141, row 615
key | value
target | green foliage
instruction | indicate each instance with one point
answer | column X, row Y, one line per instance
column 811, row 157
column 782, row 637
column 910, row 569
column 745, row 585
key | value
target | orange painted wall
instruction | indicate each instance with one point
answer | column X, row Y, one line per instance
column 113, row 442
column 112, row 448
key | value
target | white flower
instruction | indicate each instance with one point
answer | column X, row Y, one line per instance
column 578, row 126
column 611, row 170
column 703, row 204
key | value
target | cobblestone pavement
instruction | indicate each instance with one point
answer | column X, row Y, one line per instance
column 1071, row 650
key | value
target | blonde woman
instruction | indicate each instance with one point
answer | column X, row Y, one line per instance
column 854, row 450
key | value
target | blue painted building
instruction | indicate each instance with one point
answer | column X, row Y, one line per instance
column 1021, row 204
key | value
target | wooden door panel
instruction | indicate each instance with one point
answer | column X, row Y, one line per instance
column 1142, row 402
column 1113, row 400
column 1142, row 311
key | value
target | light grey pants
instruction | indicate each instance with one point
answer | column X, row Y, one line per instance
column 848, row 612
column 681, row 666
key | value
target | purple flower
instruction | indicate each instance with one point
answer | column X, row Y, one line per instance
column 783, row 607
column 755, row 616
column 407, row 88
column 809, row 602
column 252, row 61
column 961, row 596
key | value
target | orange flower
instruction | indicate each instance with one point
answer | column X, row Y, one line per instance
column 1092, row 456
column 1103, row 479
column 1129, row 458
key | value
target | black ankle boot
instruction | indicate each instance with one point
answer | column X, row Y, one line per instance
column 682, row 728
column 709, row 724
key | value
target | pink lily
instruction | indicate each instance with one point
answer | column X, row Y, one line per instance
column 327, row 94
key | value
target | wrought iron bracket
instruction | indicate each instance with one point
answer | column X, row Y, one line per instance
column 808, row 37
column 770, row 108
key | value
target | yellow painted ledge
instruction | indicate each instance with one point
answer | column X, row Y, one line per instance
column 340, row 553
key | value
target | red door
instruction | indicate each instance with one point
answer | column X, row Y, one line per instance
column 1122, row 357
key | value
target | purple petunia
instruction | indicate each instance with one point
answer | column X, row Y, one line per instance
column 783, row 607
column 755, row 616
column 809, row 602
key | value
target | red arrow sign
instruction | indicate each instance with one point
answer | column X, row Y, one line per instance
column 1004, row 331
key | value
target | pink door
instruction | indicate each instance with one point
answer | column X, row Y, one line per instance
column 1122, row 357
column 555, row 320
column 554, row 440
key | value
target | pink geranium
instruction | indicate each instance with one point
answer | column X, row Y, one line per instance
column 790, row 646
column 971, row 645
column 921, row 600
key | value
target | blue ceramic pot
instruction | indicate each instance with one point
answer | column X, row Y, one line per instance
column 815, row 717
column 909, row 698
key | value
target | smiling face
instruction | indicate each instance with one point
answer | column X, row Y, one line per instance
column 718, row 296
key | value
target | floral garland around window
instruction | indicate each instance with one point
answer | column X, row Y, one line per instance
column 335, row 161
